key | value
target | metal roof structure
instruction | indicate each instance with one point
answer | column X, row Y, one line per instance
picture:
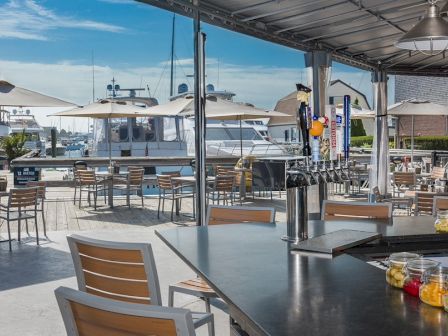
column 359, row 33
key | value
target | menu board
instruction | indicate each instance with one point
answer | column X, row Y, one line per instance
column 23, row 175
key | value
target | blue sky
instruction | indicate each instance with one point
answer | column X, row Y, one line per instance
column 47, row 46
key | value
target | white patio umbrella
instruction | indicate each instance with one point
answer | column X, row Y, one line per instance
column 414, row 107
column 357, row 113
column 11, row 95
column 105, row 109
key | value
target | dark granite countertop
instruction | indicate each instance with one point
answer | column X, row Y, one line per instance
column 296, row 293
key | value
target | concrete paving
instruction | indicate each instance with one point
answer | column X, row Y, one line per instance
column 30, row 274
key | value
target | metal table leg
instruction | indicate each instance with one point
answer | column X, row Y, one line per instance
column 110, row 192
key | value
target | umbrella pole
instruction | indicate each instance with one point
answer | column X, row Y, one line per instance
column 241, row 141
column 412, row 140
column 110, row 141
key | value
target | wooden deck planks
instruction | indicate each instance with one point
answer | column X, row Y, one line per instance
column 62, row 215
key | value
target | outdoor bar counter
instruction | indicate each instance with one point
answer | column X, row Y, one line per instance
column 273, row 291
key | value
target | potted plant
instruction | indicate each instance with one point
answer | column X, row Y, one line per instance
column 14, row 146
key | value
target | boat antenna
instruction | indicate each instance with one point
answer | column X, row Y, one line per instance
column 172, row 56
column 93, row 76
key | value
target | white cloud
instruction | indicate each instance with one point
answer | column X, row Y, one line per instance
column 28, row 20
column 260, row 85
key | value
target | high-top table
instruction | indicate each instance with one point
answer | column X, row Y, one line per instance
column 109, row 181
column 273, row 291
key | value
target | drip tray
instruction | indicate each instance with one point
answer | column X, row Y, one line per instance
column 336, row 241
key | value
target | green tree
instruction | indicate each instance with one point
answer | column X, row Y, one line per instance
column 357, row 128
column 14, row 146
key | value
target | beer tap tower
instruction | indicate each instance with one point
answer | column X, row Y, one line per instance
column 310, row 170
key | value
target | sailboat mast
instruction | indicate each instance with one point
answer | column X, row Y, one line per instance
column 172, row 56
column 93, row 88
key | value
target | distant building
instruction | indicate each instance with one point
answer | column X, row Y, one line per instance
column 433, row 89
column 282, row 129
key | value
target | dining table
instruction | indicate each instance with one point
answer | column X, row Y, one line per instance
column 271, row 288
column 189, row 182
column 108, row 179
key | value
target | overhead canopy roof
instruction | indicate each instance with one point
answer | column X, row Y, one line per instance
column 361, row 33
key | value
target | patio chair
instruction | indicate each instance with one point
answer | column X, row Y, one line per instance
column 222, row 190
column 439, row 203
column 41, row 195
column 437, row 173
column 132, row 183
column 220, row 215
column 397, row 202
column 217, row 215
column 171, row 191
column 76, row 181
column 424, row 202
column 403, row 181
column 340, row 210
column 120, row 271
column 87, row 315
column 88, row 182
column 22, row 205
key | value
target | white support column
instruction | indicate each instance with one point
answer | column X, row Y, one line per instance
column 379, row 176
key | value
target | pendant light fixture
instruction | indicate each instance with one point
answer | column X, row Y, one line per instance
column 429, row 36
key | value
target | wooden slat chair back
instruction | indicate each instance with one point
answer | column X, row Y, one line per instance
column 437, row 173
column 424, row 203
column 404, row 179
column 136, row 177
column 87, row 177
column 440, row 203
column 22, row 205
column 88, row 315
column 120, row 271
column 228, row 171
column 237, row 214
column 339, row 210
column 164, row 182
column 23, row 197
column 224, row 183
column 41, row 188
column 76, row 171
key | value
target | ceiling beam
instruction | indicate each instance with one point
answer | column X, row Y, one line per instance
column 280, row 11
column 336, row 22
column 355, row 30
column 375, row 14
column 380, row 38
column 443, row 59
column 252, row 7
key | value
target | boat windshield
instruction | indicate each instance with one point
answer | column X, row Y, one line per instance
column 218, row 133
